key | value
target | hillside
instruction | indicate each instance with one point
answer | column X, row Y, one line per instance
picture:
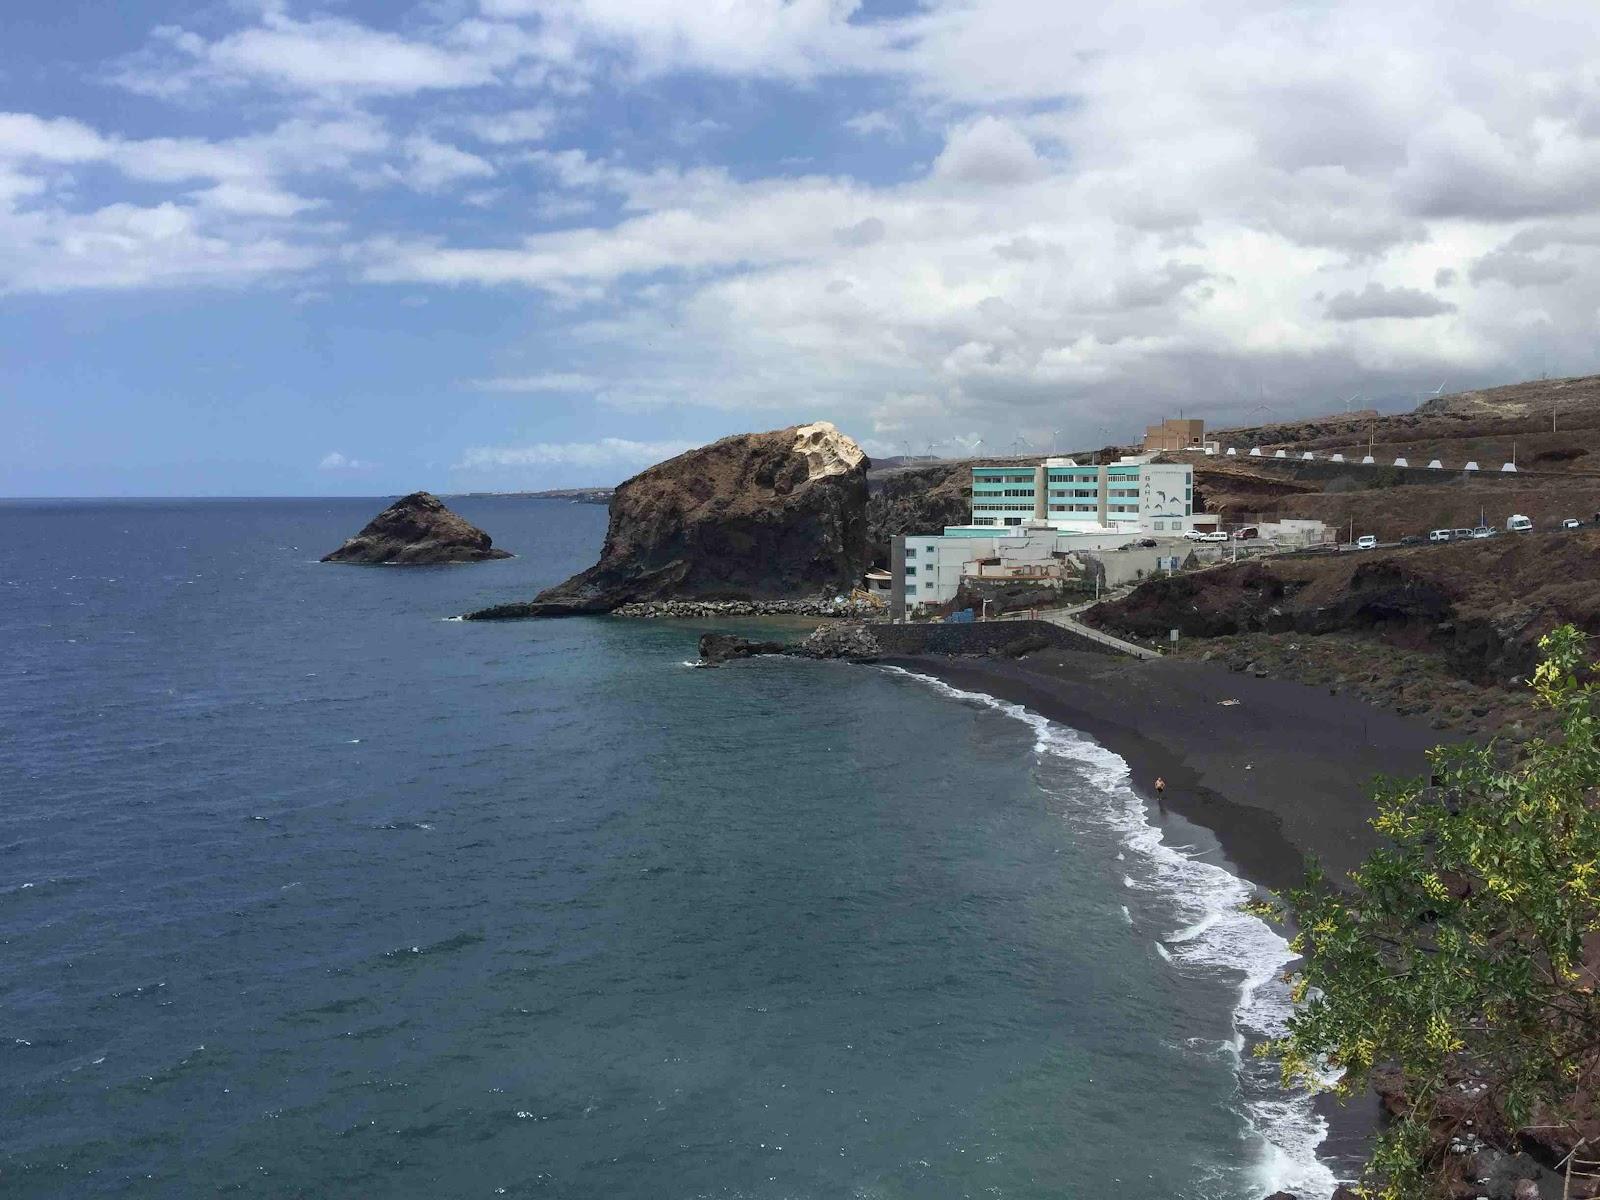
column 1448, row 631
column 1545, row 424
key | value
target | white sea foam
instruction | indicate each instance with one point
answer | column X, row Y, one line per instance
column 1217, row 936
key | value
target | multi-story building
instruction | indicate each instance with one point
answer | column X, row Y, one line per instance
column 1132, row 493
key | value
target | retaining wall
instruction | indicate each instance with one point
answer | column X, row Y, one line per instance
column 983, row 637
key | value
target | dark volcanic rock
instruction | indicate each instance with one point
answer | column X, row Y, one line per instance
column 754, row 517
column 720, row 647
column 417, row 530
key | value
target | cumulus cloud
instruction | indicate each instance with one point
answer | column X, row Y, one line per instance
column 606, row 452
column 335, row 461
column 433, row 165
column 1376, row 302
column 1124, row 211
column 512, row 126
column 988, row 151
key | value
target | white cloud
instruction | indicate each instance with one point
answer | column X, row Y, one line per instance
column 1131, row 208
column 513, row 126
column 874, row 122
column 989, row 151
column 607, row 452
column 322, row 55
column 26, row 136
column 335, row 461
column 434, row 165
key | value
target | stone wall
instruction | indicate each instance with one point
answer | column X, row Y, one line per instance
column 985, row 637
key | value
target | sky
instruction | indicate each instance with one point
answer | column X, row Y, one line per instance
column 266, row 247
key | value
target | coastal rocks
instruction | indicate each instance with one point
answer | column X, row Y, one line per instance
column 720, row 647
column 757, row 516
column 702, row 609
column 417, row 530
column 848, row 641
column 852, row 642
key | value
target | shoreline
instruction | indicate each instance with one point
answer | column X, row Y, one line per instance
column 1280, row 774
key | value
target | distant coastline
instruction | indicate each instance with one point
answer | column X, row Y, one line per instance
column 595, row 495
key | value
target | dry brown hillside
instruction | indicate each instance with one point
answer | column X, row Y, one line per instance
column 1547, row 424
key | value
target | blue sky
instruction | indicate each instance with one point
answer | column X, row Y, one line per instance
column 271, row 247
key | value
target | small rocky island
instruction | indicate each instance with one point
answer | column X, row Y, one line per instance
column 417, row 530
column 765, row 518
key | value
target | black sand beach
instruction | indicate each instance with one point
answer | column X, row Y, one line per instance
column 1279, row 771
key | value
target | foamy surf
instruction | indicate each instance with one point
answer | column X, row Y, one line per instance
column 1216, row 936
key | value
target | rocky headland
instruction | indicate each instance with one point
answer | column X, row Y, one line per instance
column 757, row 517
column 417, row 530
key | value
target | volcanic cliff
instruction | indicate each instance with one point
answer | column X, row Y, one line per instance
column 757, row 516
column 417, row 530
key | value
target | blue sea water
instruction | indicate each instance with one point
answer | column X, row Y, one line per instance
column 306, row 890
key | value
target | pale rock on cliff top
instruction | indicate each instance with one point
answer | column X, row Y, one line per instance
column 826, row 450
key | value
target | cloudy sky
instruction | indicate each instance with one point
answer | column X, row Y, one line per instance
column 283, row 247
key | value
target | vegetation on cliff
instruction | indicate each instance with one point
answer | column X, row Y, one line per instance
column 1462, row 956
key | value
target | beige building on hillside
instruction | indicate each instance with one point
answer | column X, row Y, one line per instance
column 1172, row 435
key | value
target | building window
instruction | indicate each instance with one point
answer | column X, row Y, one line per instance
column 1013, row 520
column 910, row 571
column 933, row 549
column 911, row 551
column 911, row 589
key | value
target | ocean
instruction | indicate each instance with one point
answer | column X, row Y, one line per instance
column 308, row 890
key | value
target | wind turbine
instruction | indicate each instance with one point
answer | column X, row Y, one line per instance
column 1055, row 442
column 1438, row 390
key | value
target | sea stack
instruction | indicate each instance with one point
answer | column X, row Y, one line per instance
column 417, row 530
column 757, row 516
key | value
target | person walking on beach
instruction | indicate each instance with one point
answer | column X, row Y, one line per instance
column 1161, row 786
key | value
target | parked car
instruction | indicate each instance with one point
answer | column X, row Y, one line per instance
column 1216, row 535
column 1245, row 534
column 1147, row 543
column 1441, row 535
column 1482, row 531
column 1367, row 541
column 1413, row 539
column 1461, row 534
column 1194, row 535
column 1517, row 523
column 1571, row 523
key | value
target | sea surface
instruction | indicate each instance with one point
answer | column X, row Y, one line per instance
column 308, row 890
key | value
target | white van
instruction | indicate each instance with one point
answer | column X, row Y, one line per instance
column 1367, row 541
column 1517, row 523
column 1440, row 535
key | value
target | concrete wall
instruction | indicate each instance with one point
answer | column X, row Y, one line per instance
column 984, row 637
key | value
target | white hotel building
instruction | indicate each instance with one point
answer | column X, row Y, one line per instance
column 1033, row 515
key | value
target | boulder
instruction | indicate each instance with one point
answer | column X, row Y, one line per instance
column 417, row 530
column 757, row 516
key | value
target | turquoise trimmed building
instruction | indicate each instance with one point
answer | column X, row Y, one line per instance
column 1066, row 495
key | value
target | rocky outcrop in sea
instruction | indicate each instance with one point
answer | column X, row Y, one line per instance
column 417, row 530
column 852, row 641
column 755, row 517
